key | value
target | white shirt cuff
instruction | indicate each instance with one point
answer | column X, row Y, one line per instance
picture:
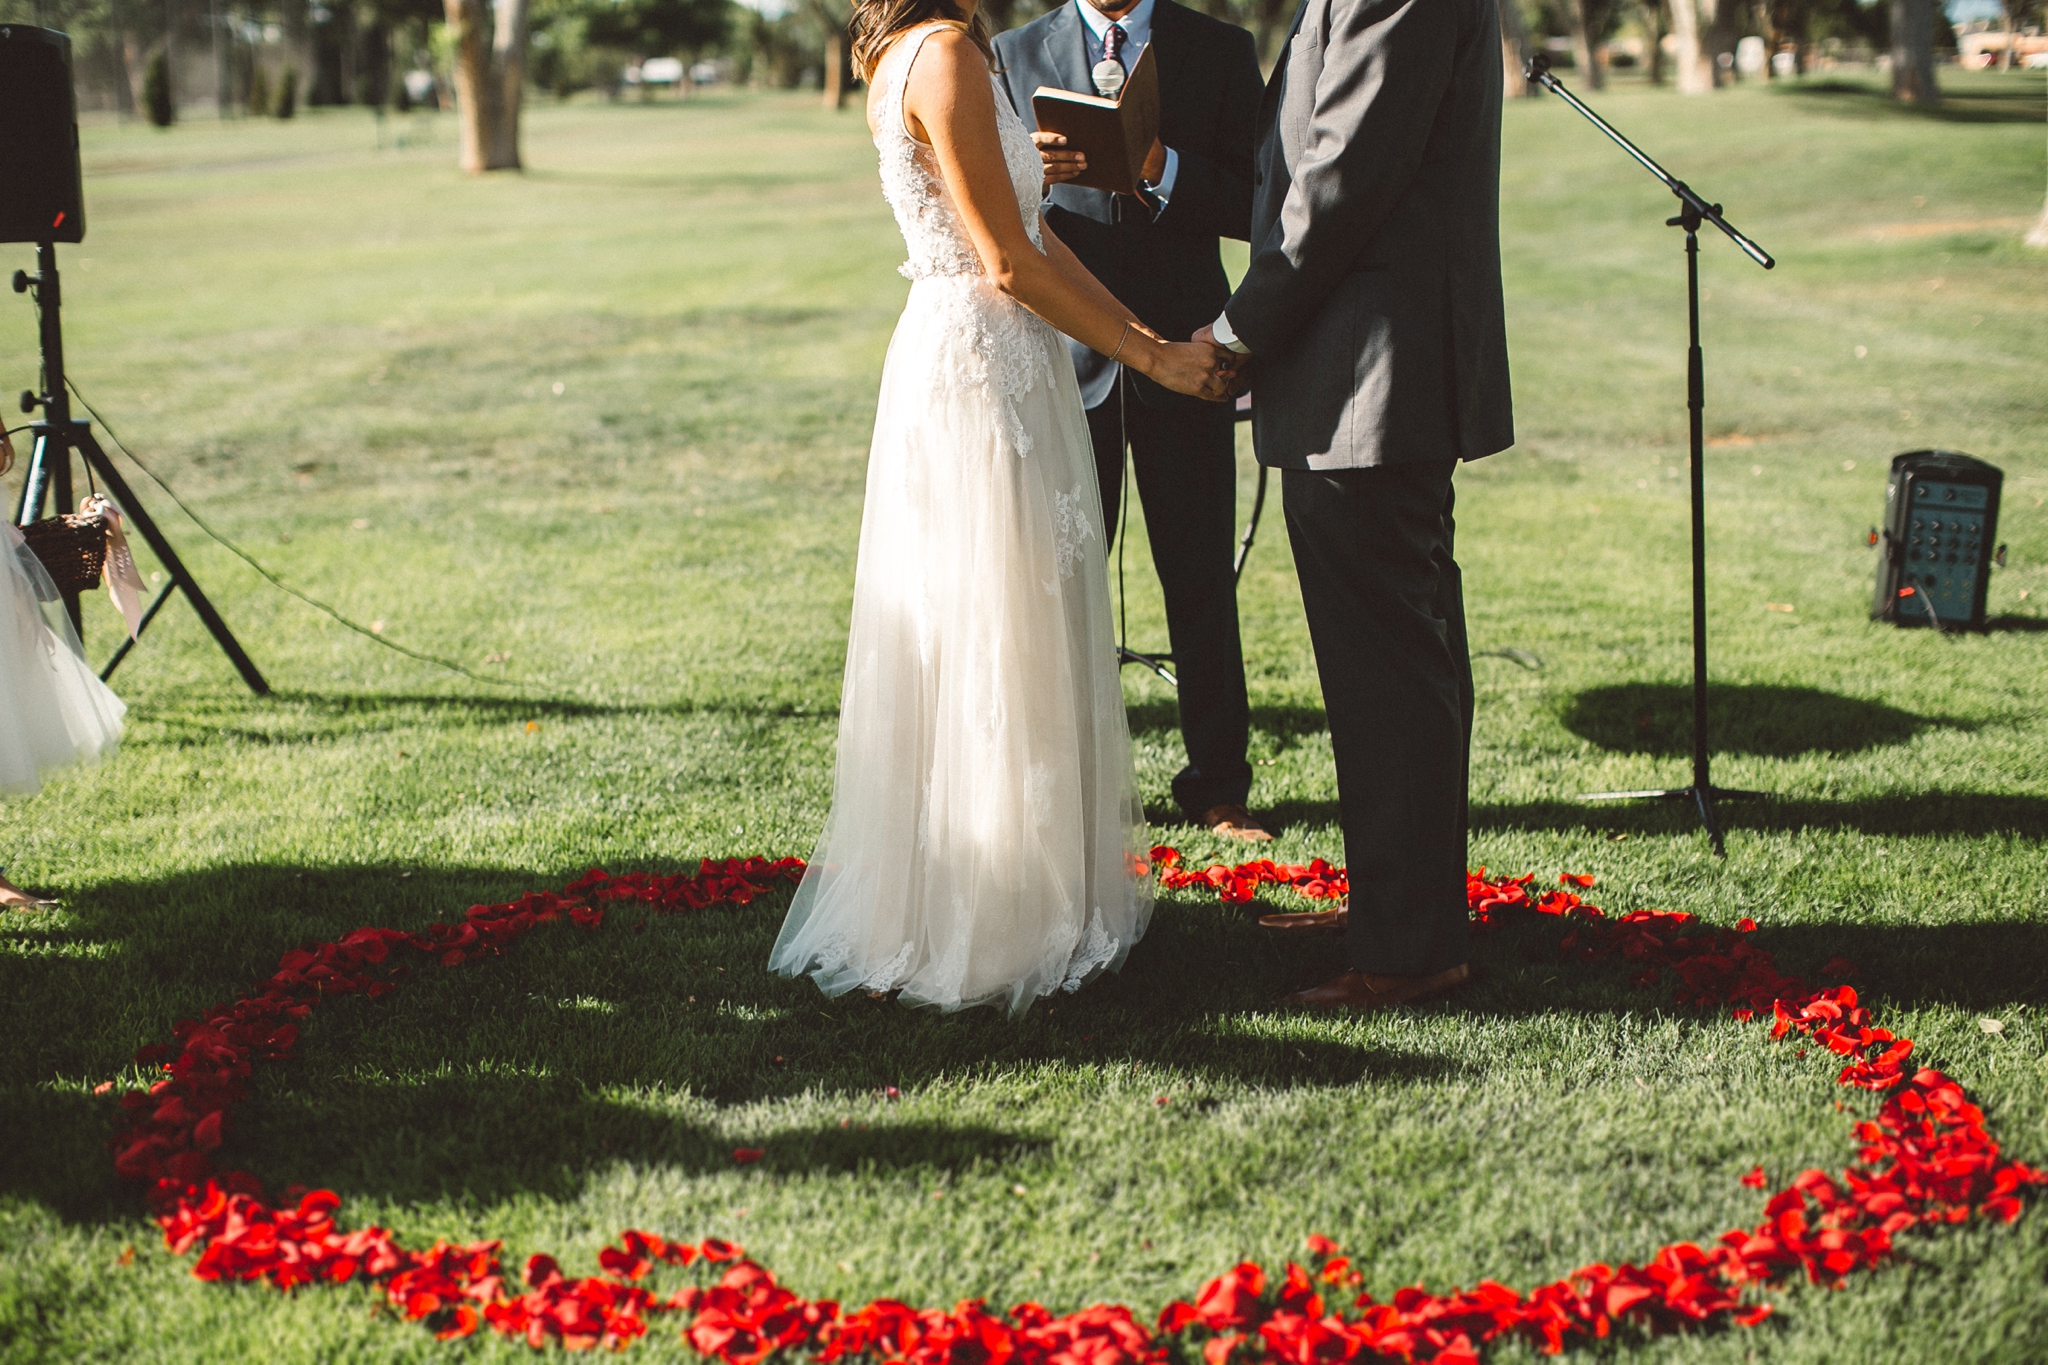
column 1225, row 337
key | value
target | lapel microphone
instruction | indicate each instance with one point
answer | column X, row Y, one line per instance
column 1109, row 74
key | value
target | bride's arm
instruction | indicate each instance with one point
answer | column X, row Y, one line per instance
column 949, row 102
column 1069, row 265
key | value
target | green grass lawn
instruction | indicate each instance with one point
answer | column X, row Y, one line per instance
column 598, row 431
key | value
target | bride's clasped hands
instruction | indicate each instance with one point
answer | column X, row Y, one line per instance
column 1197, row 368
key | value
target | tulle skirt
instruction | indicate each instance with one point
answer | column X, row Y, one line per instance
column 985, row 843
column 54, row 711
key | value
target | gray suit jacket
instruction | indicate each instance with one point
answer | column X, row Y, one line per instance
column 1373, row 302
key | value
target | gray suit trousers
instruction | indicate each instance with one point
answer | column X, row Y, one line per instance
column 1386, row 610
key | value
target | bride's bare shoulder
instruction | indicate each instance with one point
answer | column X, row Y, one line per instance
column 947, row 52
column 938, row 34
column 947, row 72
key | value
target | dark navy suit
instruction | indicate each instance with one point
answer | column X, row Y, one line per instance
column 1164, row 265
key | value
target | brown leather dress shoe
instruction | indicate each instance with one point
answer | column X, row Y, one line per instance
column 1310, row 922
column 1235, row 822
column 1370, row 991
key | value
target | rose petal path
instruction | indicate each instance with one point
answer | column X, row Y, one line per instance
column 1924, row 1158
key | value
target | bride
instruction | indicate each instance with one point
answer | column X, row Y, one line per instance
column 985, row 845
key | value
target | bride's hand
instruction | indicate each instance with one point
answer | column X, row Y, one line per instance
column 1191, row 367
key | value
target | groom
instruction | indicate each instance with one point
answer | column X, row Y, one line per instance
column 1158, row 254
column 1372, row 316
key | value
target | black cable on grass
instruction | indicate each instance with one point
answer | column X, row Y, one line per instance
column 268, row 576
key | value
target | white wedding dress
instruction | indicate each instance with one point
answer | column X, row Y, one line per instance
column 985, row 843
column 54, row 710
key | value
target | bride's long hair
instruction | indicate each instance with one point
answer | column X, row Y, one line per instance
column 876, row 23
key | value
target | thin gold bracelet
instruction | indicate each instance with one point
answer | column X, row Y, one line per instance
column 1121, row 340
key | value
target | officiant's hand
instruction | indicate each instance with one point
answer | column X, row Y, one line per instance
column 1061, row 165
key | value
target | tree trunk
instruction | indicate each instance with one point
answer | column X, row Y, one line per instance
column 1583, row 57
column 1694, row 62
column 298, row 42
column 838, row 79
column 171, row 52
column 1720, row 19
column 223, row 85
column 1653, row 29
column 490, row 77
column 1514, row 50
column 130, row 92
column 1913, row 52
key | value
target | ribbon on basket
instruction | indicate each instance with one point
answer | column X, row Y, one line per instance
column 124, row 580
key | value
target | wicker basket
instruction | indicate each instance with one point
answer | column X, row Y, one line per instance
column 72, row 548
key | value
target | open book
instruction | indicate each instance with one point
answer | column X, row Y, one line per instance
column 1114, row 135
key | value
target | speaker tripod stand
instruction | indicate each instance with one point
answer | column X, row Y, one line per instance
column 49, row 472
column 1693, row 212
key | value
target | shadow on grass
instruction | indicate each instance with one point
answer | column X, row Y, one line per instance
column 331, row 713
column 2013, row 622
column 1902, row 814
column 577, row 1051
column 488, row 1138
column 1772, row 721
column 1161, row 717
column 1972, row 103
column 574, row 1053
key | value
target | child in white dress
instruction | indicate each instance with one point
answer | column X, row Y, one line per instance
column 54, row 711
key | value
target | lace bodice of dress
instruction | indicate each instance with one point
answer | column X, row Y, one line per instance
column 912, row 184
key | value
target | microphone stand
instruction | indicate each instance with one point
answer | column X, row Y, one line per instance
column 1693, row 211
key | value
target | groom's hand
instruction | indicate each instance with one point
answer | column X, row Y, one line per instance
column 1061, row 165
column 1234, row 367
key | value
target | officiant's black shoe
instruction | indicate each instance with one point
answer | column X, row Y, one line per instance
column 1370, row 991
column 1235, row 822
column 1312, row 922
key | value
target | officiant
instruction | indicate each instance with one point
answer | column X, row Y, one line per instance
column 1158, row 253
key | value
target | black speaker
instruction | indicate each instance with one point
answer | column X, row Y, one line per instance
column 1940, row 519
column 42, row 198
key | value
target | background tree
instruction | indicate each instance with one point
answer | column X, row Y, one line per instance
column 657, row 28
column 1587, row 21
column 1650, row 18
column 156, row 91
column 837, row 81
column 490, row 79
column 1787, row 23
column 2014, row 14
column 1514, row 50
column 1913, row 52
column 1694, row 57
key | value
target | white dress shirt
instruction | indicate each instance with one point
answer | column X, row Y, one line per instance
column 1226, row 336
column 1137, row 26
